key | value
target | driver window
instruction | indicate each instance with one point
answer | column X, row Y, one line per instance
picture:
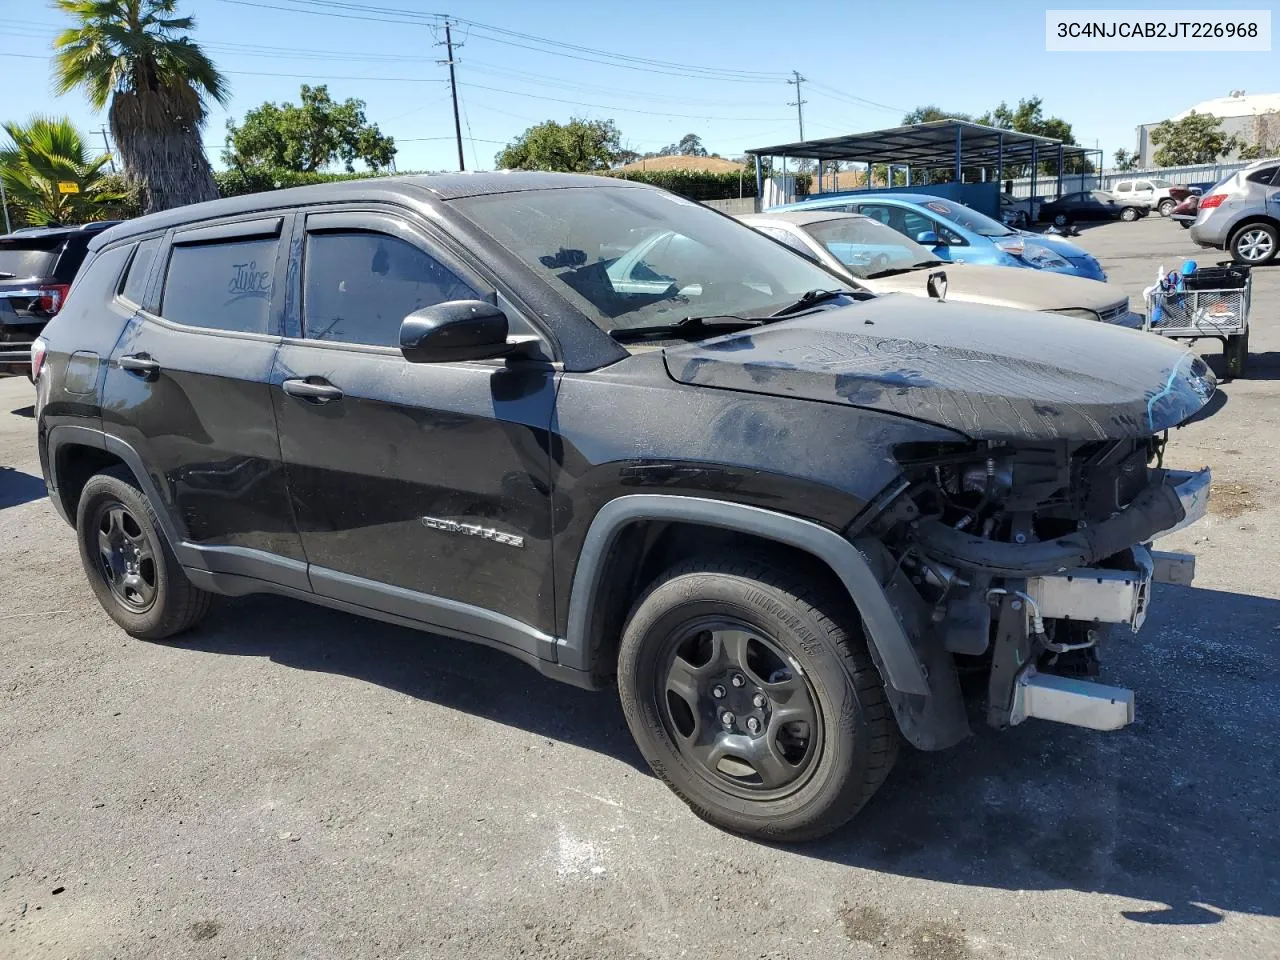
column 359, row 285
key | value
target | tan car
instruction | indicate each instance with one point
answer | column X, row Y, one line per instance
column 882, row 260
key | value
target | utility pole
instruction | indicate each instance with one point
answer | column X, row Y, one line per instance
column 453, row 87
column 799, row 101
column 106, row 146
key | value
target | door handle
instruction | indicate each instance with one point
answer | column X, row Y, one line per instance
column 315, row 392
column 139, row 363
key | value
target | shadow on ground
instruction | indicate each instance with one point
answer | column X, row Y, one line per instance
column 1179, row 809
column 17, row 487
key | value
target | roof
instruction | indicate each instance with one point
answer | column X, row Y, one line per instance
column 802, row 218
column 418, row 187
column 1245, row 105
column 925, row 144
column 37, row 233
column 681, row 162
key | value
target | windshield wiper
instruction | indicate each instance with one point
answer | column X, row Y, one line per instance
column 684, row 328
column 811, row 298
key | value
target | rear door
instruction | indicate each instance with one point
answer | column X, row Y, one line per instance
column 188, row 390
column 420, row 488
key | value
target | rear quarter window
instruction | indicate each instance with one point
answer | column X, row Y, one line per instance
column 134, row 288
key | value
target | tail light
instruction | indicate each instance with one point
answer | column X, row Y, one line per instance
column 51, row 298
column 1211, row 201
column 38, row 350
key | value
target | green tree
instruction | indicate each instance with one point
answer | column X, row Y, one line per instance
column 690, row 145
column 308, row 137
column 931, row 112
column 135, row 56
column 43, row 154
column 579, row 146
column 1196, row 138
column 1124, row 160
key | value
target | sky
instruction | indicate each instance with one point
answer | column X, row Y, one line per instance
column 722, row 74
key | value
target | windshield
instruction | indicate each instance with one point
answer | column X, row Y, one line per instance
column 970, row 220
column 28, row 257
column 630, row 257
column 867, row 247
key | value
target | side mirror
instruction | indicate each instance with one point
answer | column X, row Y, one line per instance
column 927, row 238
column 455, row 330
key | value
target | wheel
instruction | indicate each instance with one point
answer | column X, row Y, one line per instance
column 1166, row 207
column 129, row 562
column 1059, row 219
column 751, row 694
column 1236, row 354
column 1254, row 243
column 1129, row 214
column 1185, row 224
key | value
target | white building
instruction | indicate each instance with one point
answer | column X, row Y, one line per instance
column 1244, row 115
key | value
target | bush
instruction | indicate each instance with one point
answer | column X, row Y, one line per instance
column 125, row 209
column 700, row 185
column 235, row 183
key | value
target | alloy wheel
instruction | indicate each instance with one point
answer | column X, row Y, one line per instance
column 1255, row 246
column 126, row 558
column 740, row 709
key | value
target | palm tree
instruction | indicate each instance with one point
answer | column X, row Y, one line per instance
column 133, row 54
column 44, row 156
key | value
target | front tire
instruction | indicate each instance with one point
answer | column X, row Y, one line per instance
column 751, row 694
column 1128, row 214
column 1254, row 243
column 129, row 562
column 1059, row 219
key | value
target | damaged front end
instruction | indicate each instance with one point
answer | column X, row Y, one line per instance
column 1013, row 561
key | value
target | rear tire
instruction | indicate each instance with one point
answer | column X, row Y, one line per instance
column 1185, row 224
column 1129, row 214
column 1166, row 207
column 1254, row 243
column 1235, row 352
column 714, row 655
column 129, row 563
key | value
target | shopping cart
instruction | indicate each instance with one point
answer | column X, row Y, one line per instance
column 1209, row 302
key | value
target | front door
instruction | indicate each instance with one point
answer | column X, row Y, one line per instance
column 420, row 489
column 187, row 389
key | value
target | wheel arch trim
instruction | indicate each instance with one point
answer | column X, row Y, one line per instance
column 885, row 632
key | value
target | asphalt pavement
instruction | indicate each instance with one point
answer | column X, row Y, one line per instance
column 290, row 782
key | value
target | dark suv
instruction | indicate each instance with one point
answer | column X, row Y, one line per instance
column 628, row 440
column 37, row 267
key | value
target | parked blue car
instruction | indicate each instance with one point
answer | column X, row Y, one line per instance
column 957, row 234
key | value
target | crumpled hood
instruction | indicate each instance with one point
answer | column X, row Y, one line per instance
column 988, row 372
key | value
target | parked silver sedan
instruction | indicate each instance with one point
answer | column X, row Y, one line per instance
column 882, row 260
column 1241, row 214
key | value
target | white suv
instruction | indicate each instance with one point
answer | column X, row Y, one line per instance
column 1150, row 191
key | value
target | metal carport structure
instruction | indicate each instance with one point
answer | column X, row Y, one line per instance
column 936, row 144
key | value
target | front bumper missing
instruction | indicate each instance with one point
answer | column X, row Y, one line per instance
column 1108, row 595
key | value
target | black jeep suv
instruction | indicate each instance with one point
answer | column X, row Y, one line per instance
column 628, row 440
column 37, row 268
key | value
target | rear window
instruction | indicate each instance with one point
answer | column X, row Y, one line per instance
column 224, row 286
column 24, row 257
column 1265, row 175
